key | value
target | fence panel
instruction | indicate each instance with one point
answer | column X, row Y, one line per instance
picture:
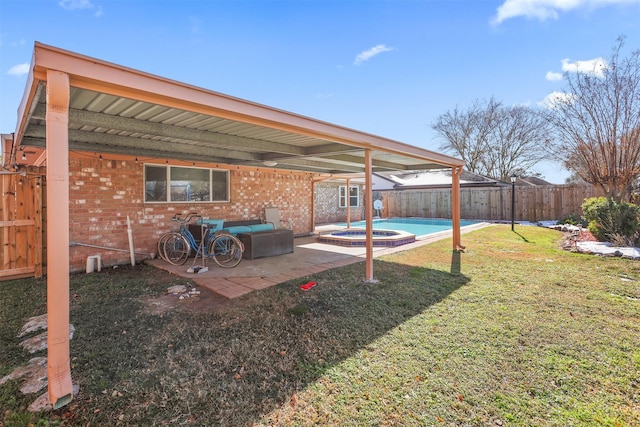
column 21, row 225
column 541, row 203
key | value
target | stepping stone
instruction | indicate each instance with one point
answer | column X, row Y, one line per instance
column 34, row 375
column 39, row 342
column 33, row 324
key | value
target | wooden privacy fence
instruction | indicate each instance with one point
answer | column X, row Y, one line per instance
column 21, row 225
column 541, row 203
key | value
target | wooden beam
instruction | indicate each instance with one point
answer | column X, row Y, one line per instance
column 17, row 223
column 16, row 273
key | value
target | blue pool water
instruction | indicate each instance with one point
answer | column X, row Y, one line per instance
column 417, row 226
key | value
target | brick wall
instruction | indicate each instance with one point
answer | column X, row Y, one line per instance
column 327, row 209
column 104, row 192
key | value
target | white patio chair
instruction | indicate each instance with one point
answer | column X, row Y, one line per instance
column 272, row 215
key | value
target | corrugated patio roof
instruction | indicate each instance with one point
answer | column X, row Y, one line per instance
column 114, row 109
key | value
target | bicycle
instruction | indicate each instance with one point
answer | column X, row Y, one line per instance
column 175, row 246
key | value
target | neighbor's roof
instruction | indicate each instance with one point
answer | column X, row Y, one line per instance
column 435, row 178
column 531, row 181
column 114, row 109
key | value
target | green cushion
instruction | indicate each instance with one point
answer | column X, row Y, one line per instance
column 261, row 227
column 237, row 229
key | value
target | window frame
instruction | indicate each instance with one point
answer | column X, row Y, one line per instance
column 167, row 190
column 342, row 199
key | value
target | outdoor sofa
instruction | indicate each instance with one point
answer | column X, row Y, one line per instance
column 259, row 239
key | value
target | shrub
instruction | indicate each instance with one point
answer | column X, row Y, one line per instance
column 573, row 220
column 609, row 220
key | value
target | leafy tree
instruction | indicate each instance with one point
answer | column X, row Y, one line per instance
column 492, row 139
column 597, row 124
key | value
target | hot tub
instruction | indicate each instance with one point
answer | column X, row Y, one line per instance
column 357, row 237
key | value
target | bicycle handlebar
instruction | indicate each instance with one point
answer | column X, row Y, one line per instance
column 187, row 219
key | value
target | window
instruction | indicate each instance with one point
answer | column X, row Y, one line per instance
column 354, row 196
column 179, row 184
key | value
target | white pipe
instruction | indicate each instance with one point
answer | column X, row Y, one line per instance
column 130, row 233
column 71, row 244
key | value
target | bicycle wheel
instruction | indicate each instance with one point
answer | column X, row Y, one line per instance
column 226, row 250
column 176, row 249
column 161, row 241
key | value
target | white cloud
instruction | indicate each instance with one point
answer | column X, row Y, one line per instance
column 75, row 4
column 72, row 5
column 368, row 54
column 18, row 70
column 547, row 9
column 553, row 77
column 555, row 99
column 594, row 66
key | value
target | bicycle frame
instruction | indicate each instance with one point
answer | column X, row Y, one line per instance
column 207, row 236
column 225, row 249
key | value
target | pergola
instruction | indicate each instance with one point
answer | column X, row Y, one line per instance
column 74, row 102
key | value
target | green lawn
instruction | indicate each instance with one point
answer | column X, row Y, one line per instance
column 513, row 332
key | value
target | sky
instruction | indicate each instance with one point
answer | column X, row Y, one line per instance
column 388, row 68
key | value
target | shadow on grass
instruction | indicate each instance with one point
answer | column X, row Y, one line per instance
column 234, row 362
column 522, row 237
column 456, row 262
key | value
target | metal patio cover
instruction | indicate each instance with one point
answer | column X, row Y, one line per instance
column 114, row 109
column 76, row 103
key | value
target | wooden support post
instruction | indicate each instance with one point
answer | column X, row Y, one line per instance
column 37, row 203
column 455, row 207
column 57, row 134
column 368, row 216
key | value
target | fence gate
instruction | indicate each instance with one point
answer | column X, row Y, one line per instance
column 21, row 225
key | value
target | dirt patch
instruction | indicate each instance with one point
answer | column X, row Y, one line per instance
column 205, row 301
column 160, row 305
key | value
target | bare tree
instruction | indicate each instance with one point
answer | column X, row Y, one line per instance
column 494, row 140
column 597, row 124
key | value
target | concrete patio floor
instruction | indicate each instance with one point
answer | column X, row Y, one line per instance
column 309, row 257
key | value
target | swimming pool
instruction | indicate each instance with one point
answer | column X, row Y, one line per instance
column 418, row 226
column 388, row 232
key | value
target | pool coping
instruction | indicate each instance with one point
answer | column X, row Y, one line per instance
column 398, row 238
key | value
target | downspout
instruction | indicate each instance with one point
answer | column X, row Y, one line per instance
column 348, row 202
column 57, row 144
column 313, row 206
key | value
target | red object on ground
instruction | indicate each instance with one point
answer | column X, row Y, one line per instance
column 308, row 286
column 586, row 236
